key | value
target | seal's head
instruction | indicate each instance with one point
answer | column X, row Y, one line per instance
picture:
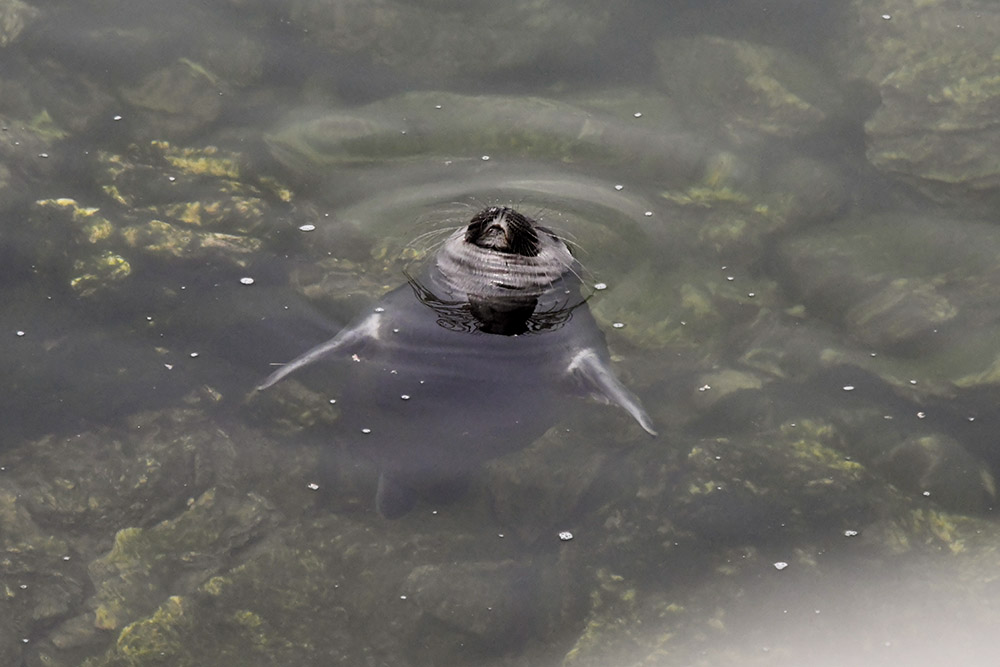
column 504, row 230
column 502, row 253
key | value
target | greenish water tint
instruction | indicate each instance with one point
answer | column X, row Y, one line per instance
column 785, row 215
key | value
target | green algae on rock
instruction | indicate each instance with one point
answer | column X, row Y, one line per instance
column 935, row 67
column 918, row 287
column 164, row 202
column 747, row 86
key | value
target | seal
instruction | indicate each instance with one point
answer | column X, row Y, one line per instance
column 471, row 360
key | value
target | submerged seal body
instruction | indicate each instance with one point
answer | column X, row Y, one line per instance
column 472, row 359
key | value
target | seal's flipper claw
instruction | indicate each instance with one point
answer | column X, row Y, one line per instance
column 347, row 341
column 600, row 381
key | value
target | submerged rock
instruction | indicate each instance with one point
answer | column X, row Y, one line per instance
column 454, row 126
column 176, row 101
column 938, row 467
column 492, row 603
column 745, row 86
column 15, row 16
column 435, row 41
column 913, row 286
column 161, row 202
column 934, row 65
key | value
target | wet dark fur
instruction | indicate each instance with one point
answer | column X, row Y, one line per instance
column 503, row 229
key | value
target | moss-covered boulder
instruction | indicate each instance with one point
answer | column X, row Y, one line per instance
column 160, row 203
column 934, row 65
column 917, row 287
column 748, row 87
column 435, row 41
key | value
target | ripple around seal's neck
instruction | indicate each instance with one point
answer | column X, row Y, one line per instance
column 469, row 271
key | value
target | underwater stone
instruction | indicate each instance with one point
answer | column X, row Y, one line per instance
column 747, row 86
column 938, row 465
column 935, row 68
column 493, row 603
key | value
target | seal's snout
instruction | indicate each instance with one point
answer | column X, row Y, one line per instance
column 505, row 230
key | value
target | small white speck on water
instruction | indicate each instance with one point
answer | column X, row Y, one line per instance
column 24, row 587
column 379, row 309
column 307, row 228
column 751, row 294
column 618, row 325
column 600, row 286
column 887, row 417
column 971, row 419
column 637, row 114
column 25, row 640
column 43, row 155
column 117, row 118
column 312, row 486
column 149, row 318
column 332, row 401
column 921, row 415
column 437, row 106
column 704, row 387
column 395, row 330
column 19, row 333
column 405, row 397
column 366, row 431
column 66, row 557
column 848, row 387
column 500, row 535
column 913, row 381
column 171, row 178
column 926, row 494
column 619, row 187
column 780, row 565
column 887, row 17
column 193, row 355
column 730, row 278
column 402, row 131
column 485, row 157
column 648, row 214
column 565, row 536
column 850, row 533
column 246, row 280
column 393, row 372
column 169, row 367
column 402, row 597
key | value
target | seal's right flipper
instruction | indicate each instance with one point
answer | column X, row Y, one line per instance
column 602, row 384
column 348, row 341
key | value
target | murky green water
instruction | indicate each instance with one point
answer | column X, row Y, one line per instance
column 786, row 219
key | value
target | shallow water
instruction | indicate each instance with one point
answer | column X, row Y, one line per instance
column 792, row 263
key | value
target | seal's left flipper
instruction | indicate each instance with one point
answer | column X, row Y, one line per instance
column 349, row 340
column 600, row 382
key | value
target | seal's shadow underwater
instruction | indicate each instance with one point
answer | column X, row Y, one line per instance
column 471, row 359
